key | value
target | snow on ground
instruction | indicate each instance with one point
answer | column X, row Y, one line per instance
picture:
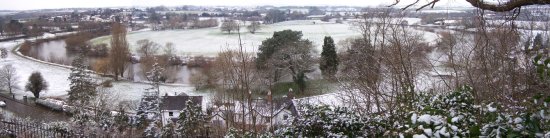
column 413, row 21
column 210, row 41
column 331, row 99
column 441, row 11
column 130, row 91
column 55, row 76
column 199, row 41
column 59, row 84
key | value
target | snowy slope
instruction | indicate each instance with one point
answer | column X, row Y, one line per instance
column 59, row 84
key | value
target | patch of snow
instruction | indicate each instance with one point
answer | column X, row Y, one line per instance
column 419, row 136
column 518, row 120
column 455, row 119
column 413, row 118
column 51, row 103
column 425, row 118
column 442, row 11
column 444, row 132
column 454, row 128
column 428, row 132
column 48, row 35
column 491, row 109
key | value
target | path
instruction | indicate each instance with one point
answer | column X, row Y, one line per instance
column 32, row 111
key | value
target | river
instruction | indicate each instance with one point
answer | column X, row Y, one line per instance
column 55, row 51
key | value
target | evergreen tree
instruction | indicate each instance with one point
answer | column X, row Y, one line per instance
column 191, row 120
column 329, row 59
column 168, row 130
column 537, row 42
column 149, row 109
column 3, row 53
column 286, row 51
column 82, row 88
column 121, row 119
column 152, row 131
column 155, row 76
column 36, row 84
column 82, row 119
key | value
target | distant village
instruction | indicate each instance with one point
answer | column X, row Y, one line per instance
column 36, row 22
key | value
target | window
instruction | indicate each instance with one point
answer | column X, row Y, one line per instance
column 170, row 113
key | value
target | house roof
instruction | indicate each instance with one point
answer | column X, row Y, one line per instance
column 264, row 108
column 179, row 102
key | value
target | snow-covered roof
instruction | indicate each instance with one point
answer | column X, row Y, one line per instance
column 330, row 99
column 342, row 98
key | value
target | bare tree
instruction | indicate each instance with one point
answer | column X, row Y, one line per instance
column 169, row 49
column 119, row 55
column 381, row 68
column 253, row 27
column 9, row 77
column 229, row 25
column 147, row 48
column 235, row 74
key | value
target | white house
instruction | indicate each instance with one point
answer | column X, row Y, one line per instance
column 171, row 106
column 262, row 114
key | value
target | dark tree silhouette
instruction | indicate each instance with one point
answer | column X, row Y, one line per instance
column 36, row 84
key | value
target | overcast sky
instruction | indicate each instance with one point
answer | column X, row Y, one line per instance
column 52, row 4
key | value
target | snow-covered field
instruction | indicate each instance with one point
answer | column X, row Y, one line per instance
column 59, row 84
column 200, row 41
column 210, row 41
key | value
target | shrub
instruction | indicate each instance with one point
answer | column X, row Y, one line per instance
column 445, row 115
column 99, row 50
column 25, row 48
column 107, row 83
column 199, row 80
column 102, row 65
column 51, row 103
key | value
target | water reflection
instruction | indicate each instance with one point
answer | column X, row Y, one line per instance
column 55, row 51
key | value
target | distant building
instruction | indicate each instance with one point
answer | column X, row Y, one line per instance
column 171, row 106
column 315, row 17
column 261, row 114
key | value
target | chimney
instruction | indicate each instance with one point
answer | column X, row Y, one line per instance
column 290, row 93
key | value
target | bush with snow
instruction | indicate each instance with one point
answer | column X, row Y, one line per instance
column 446, row 115
column 324, row 121
column 51, row 103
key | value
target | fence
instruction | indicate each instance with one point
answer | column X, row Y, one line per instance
column 15, row 128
